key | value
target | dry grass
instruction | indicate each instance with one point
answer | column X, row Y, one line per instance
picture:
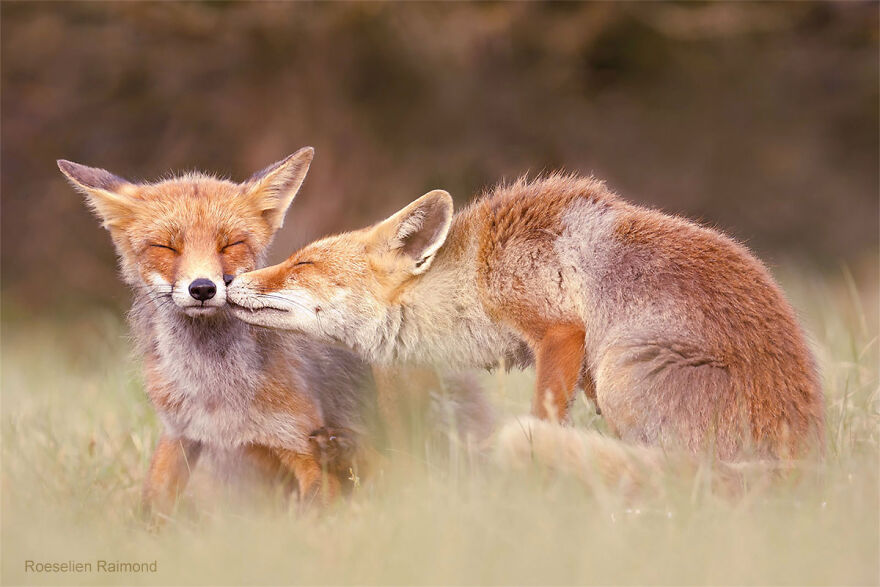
column 77, row 433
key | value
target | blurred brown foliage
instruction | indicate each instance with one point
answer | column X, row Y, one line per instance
column 758, row 118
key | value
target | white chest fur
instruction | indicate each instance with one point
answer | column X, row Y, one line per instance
column 214, row 375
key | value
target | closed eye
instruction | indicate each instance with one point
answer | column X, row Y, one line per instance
column 303, row 263
column 158, row 246
column 236, row 243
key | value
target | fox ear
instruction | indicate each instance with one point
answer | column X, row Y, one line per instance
column 273, row 189
column 108, row 195
column 419, row 230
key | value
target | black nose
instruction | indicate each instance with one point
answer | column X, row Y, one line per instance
column 202, row 289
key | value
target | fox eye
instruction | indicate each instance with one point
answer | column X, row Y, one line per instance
column 232, row 245
column 303, row 263
column 158, row 246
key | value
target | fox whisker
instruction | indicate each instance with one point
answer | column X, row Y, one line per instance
column 284, row 301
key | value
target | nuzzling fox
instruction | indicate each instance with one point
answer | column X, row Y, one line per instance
column 677, row 332
column 220, row 385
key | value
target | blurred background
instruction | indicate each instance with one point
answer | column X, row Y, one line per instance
column 761, row 119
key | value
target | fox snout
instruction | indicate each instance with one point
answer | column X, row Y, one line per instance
column 202, row 289
column 201, row 280
column 200, row 295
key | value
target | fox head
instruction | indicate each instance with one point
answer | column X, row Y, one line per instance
column 342, row 288
column 184, row 239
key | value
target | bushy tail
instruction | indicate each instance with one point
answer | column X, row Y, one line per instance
column 609, row 464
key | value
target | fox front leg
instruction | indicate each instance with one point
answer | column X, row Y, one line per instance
column 316, row 485
column 559, row 356
column 170, row 469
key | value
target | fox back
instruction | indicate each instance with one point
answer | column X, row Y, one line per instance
column 687, row 338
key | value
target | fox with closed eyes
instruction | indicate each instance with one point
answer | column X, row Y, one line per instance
column 677, row 332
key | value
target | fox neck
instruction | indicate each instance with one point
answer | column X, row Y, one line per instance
column 212, row 360
column 439, row 317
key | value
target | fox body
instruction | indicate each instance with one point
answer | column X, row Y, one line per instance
column 677, row 332
column 218, row 383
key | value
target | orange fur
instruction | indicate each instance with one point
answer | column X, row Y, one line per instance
column 559, row 356
column 170, row 469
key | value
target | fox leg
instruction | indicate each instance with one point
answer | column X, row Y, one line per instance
column 559, row 356
column 170, row 468
column 342, row 451
column 316, row 485
column 271, row 469
column 335, row 448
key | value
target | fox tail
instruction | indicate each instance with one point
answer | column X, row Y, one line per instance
column 607, row 464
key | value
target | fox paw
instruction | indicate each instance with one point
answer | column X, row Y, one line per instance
column 334, row 448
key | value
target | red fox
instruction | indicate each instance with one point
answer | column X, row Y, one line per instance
column 216, row 382
column 677, row 332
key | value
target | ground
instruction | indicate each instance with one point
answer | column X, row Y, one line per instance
column 77, row 434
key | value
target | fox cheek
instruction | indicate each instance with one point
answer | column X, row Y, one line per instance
column 158, row 263
column 239, row 261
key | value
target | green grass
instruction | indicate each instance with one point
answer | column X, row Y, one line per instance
column 77, row 432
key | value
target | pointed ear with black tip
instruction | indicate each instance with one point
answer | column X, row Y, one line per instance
column 110, row 196
column 418, row 231
column 272, row 189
